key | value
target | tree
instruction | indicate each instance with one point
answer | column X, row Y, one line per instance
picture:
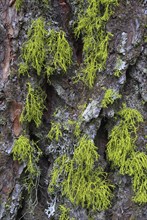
column 72, row 109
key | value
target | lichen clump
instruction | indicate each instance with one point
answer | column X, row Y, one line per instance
column 123, row 136
column 136, row 167
column 33, row 50
column 18, row 4
column 121, row 151
column 27, row 152
column 45, row 51
column 59, row 52
column 79, row 179
column 34, row 105
column 92, row 25
column 109, row 97
column 55, row 132
column 64, row 213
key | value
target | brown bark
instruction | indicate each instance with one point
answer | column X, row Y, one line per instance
column 128, row 25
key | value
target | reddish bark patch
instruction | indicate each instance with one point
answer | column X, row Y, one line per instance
column 16, row 109
column 9, row 16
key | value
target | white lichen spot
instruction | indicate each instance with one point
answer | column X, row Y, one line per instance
column 122, row 44
column 122, row 79
column 50, row 211
column 92, row 111
column 120, row 64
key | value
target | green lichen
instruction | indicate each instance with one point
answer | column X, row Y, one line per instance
column 64, row 213
column 34, row 105
column 18, row 4
column 55, row 131
column 117, row 73
column 33, row 50
column 136, row 167
column 121, row 151
column 145, row 39
column 59, row 52
column 122, row 137
column 77, row 130
column 76, row 127
column 109, row 98
column 92, row 24
column 26, row 151
column 81, row 181
column 46, row 2
column 45, row 51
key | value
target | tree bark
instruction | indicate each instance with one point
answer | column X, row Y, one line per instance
column 67, row 100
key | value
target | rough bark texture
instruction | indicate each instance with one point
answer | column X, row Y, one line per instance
column 128, row 26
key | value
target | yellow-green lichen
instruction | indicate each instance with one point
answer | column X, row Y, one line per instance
column 82, row 182
column 76, row 127
column 136, row 167
column 117, row 73
column 26, row 151
column 34, row 106
column 45, row 51
column 55, row 131
column 123, row 136
column 18, row 4
column 59, row 52
column 109, row 97
column 121, row 151
column 64, row 213
column 92, row 25
column 33, row 50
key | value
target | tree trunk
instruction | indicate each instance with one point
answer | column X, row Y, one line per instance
column 74, row 107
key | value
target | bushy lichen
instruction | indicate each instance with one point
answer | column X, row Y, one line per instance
column 121, row 151
column 75, row 127
column 55, row 131
column 64, row 213
column 34, row 105
column 59, row 51
column 136, row 167
column 92, row 25
column 117, row 73
column 26, row 151
column 81, row 181
column 45, row 51
column 18, row 4
column 123, row 136
column 109, row 98
column 33, row 50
